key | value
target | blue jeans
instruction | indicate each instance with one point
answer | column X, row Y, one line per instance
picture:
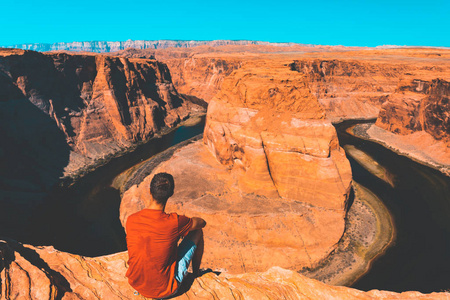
column 186, row 251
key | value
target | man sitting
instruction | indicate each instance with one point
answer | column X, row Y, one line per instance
column 156, row 265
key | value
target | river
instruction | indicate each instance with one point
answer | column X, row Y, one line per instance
column 419, row 202
column 84, row 218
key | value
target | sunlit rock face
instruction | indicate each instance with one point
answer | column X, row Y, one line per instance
column 201, row 77
column 354, row 84
column 418, row 105
column 269, row 178
column 268, row 125
column 349, row 89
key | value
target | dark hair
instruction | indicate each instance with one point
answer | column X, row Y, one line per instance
column 162, row 187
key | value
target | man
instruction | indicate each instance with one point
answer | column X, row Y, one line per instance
column 156, row 266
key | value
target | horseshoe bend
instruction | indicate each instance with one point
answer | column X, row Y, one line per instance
column 286, row 216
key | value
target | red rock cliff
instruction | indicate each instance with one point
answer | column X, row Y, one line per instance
column 418, row 105
column 99, row 104
column 267, row 123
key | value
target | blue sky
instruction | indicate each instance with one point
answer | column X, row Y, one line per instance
column 350, row 23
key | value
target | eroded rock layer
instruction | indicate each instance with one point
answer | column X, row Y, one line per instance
column 201, row 77
column 349, row 84
column 418, row 105
column 266, row 123
column 38, row 273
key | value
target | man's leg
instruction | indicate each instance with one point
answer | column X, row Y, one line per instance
column 197, row 237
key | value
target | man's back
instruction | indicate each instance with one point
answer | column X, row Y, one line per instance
column 152, row 237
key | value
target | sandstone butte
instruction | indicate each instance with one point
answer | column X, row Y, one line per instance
column 28, row 272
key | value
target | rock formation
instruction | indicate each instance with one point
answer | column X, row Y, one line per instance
column 415, row 121
column 267, row 123
column 274, row 183
column 418, row 105
column 201, row 77
column 37, row 273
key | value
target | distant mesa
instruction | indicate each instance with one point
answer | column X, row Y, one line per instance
column 107, row 46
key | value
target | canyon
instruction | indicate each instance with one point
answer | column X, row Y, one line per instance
column 361, row 84
column 62, row 114
column 268, row 174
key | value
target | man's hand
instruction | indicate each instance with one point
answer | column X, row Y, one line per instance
column 197, row 223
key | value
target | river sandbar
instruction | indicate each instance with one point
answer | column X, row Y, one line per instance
column 369, row 232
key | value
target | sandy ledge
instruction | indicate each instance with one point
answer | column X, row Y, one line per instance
column 419, row 146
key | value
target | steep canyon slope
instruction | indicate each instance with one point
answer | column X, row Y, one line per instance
column 61, row 113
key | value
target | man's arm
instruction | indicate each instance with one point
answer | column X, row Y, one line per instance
column 197, row 223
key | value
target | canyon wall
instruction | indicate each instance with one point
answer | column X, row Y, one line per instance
column 201, row 77
column 418, row 105
column 36, row 273
column 348, row 84
column 354, row 84
column 99, row 104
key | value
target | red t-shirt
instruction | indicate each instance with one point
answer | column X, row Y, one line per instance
column 152, row 240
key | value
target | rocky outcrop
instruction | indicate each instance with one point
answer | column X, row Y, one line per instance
column 415, row 122
column 418, row 105
column 348, row 89
column 269, row 125
column 272, row 182
column 28, row 272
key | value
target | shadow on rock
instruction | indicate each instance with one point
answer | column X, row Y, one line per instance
column 33, row 154
column 8, row 250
